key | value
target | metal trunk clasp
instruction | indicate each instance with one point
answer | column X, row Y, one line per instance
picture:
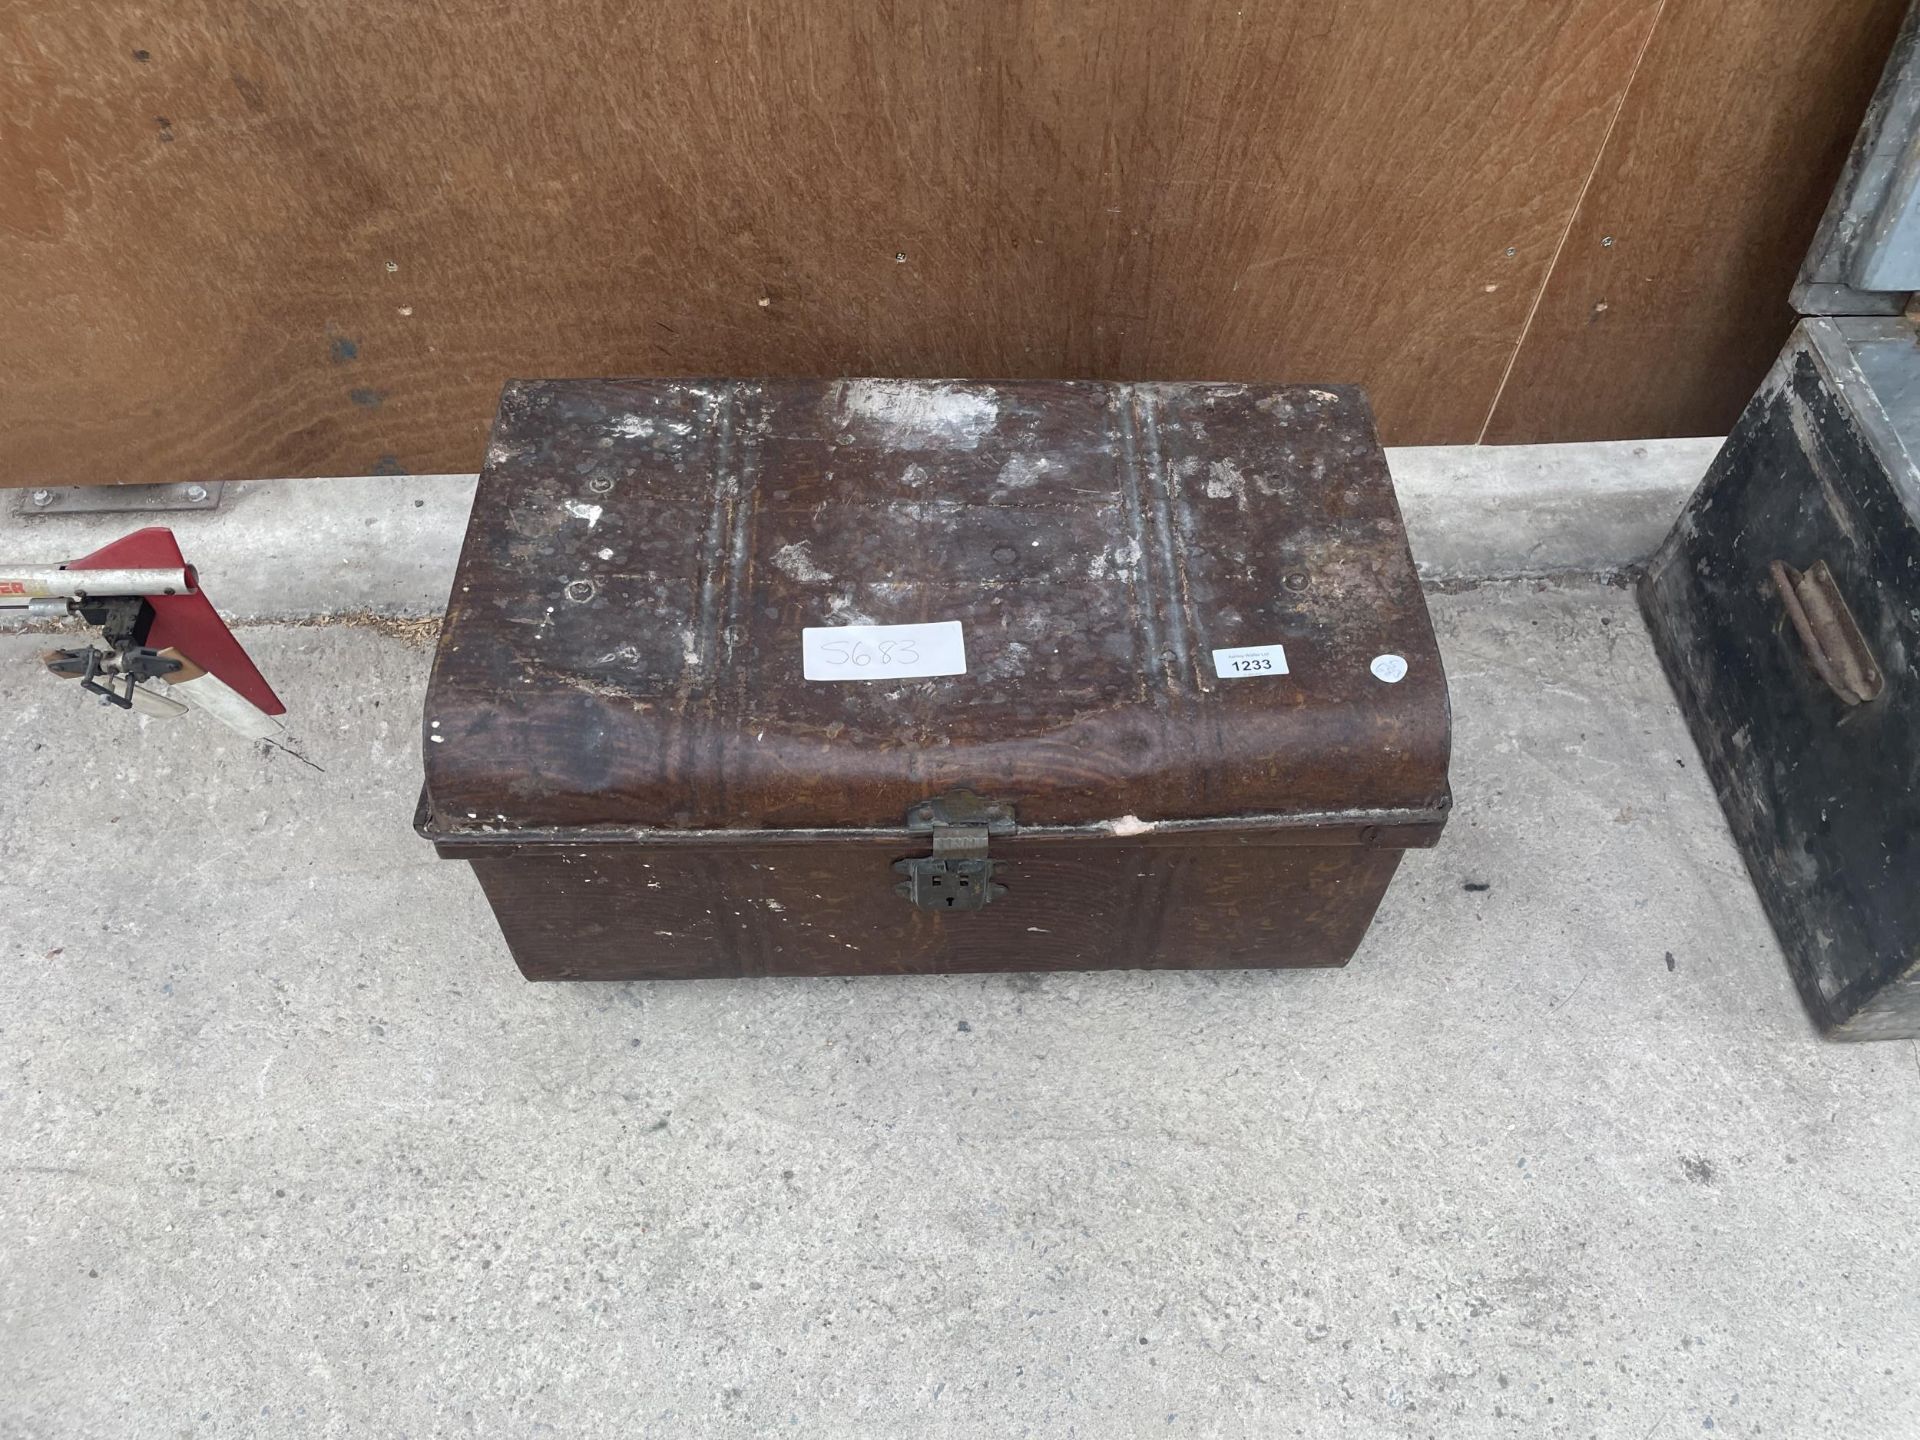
column 959, row 874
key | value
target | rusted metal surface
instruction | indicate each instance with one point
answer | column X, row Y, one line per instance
column 622, row 658
column 623, row 640
column 618, row 913
column 1828, row 633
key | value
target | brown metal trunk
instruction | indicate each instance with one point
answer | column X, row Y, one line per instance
column 622, row 740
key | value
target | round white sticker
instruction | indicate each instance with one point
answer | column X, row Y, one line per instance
column 1390, row 668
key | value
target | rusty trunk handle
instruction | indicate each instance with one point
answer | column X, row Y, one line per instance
column 1828, row 633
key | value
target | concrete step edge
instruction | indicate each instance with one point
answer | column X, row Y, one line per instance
column 386, row 545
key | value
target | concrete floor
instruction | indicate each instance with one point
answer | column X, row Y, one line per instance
column 290, row 1149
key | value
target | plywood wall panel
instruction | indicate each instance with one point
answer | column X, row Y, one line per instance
column 281, row 238
column 1709, row 190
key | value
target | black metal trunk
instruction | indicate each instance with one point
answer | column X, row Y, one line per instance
column 1786, row 609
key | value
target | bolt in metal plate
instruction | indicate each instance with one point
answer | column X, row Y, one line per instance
column 116, row 499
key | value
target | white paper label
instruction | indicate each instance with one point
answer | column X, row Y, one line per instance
column 882, row 652
column 1390, row 668
column 1250, row 660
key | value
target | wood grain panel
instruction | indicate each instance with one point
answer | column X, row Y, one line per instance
column 1709, row 192
column 283, row 238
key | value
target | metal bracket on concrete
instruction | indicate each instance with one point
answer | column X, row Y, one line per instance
column 117, row 499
